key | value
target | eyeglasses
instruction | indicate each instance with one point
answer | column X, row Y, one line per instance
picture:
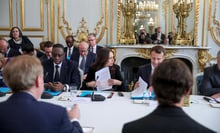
column 83, row 51
column 55, row 55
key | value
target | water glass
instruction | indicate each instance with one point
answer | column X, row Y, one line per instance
column 73, row 90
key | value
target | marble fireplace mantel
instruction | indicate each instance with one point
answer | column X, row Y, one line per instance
column 198, row 56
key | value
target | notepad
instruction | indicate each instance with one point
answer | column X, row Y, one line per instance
column 54, row 93
column 5, row 89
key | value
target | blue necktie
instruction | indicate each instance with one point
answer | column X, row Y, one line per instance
column 82, row 64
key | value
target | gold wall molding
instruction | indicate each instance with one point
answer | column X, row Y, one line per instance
column 204, row 18
column 196, row 21
column 66, row 29
column 145, row 53
column 216, row 23
column 111, row 23
column 37, row 36
column 118, row 21
column 203, row 58
column 10, row 18
column 41, row 28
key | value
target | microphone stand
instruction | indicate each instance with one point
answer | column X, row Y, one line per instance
column 96, row 97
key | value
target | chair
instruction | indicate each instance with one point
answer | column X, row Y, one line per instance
column 199, row 78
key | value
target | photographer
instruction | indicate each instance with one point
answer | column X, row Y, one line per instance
column 144, row 38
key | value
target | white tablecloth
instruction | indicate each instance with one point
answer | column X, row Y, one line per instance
column 110, row 115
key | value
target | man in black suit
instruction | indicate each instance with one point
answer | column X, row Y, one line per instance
column 157, row 55
column 211, row 80
column 85, row 58
column 172, row 82
column 48, row 46
column 93, row 47
column 70, row 50
column 59, row 73
column 158, row 37
column 6, row 50
column 23, row 112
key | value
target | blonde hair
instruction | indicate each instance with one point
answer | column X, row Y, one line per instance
column 21, row 72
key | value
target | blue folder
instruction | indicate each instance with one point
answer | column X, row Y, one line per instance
column 54, row 93
column 85, row 93
column 5, row 89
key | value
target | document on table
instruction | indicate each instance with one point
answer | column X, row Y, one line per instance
column 141, row 90
column 103, row 76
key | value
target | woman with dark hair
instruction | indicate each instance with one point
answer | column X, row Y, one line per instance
column 104, row 59
column 17, row 39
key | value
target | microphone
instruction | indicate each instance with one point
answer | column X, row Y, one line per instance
column 96, row 97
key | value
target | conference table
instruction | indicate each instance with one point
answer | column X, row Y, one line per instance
column 110, row 115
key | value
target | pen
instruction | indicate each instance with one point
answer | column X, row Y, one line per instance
column 110, row 96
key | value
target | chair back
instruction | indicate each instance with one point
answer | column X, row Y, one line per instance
column 199, row 78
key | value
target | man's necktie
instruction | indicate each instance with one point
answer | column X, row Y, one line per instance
column 57, row 75
column 82, row 64
column 92, row 50
column 69, row 54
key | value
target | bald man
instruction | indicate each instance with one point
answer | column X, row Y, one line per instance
column 85, row 58
column 5, row 50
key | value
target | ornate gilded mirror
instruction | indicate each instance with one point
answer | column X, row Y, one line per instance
column 153, row 13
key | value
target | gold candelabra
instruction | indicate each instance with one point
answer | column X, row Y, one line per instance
column 182, row 8
column 128, row 11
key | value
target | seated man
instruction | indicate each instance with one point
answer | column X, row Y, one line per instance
column 22, row 112
column 48, row 46
column 28, row 49
column 157, row 55
column 158, row 37
column 172, row 82
column 60, row 73
column 6, row 50
column 211, row 80
column 84, row 58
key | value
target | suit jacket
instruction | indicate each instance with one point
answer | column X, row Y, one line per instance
column 165, row 119
column 43, row 58
column 144, row 72
column 154, row 38
column 22, row 113
column 211, row 81
column 97, row 48
column 12, row 53
column 75, row 52
column 115, row 74
column 90, row 58
column 69, row 73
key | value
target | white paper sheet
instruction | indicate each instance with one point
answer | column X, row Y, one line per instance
column 141, row 90
column 103, row 76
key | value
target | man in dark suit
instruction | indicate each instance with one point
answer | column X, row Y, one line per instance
column 84, row 58
column 22, row 112
column 59, row 73
column 157, row 54
column 211, row 80
column 158, row 37
column 48, row 46
column 172, row 82
column 70, row 50
column 93, row 47
column 6, row 50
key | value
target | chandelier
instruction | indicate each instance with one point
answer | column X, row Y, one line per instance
column 146, row 6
